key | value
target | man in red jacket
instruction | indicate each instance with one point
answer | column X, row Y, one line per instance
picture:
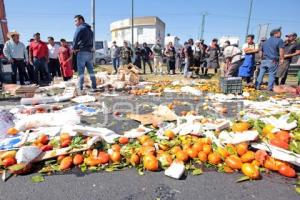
column 38, row 57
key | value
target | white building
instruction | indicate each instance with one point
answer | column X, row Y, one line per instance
column 146, row 29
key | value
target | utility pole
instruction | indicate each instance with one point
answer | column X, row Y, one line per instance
column 249, row 19
column 203, row 25
column 132, row 22
column 94, row 28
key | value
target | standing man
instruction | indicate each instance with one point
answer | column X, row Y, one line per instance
column 83, row 46
column 203, row 60
column 213, row 59
column 170, row 53
column 158, row 57
column 249, row 50
column 138, row 56
column 38, row 57
column 126, row 54
column 232, row 56
column 53, row 65
column 115, row 56
column 15, row 51
column 291, row 49
column 146, row 54
column 197, row 54
column 272, row 55
column 188, row 58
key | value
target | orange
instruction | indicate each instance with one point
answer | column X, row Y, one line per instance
column 207, row 149
column 65, row 136
column 12, row 131
column 214, row 158
column 192, row 153
column 197, row 147
column 123, row 140
column 134, row 159
column 115, row 156
column 150, row 163
column 170, row 134
column 240, row 126
column 116, row 147
column 145, row 150
column 165, row 159
column 148, row 143
column 43, row 139
column 223, row 152
column 242, row 148
column 250, row 171
column 270, row 164
column 182, row 156
column 143, row 138
column 205, row 140
column 92, row 161
column 66, row 163
column 234, row 162
column 175, row 149
column 249, row 156
column 103, row 157
column 227, row 169
column 202, row 156
column 163, row 147
column 78, row 159
column 59, row 158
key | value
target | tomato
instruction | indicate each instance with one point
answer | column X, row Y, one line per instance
column 283, row 136
column 279, row 143
column 65, row 136
column 47, row 147
column 115, row 157
column 202, row 156
column 270, row 163
column 261, row 156
column 103, row 157
column 192, row 153
column 92, row 161
column 59, row 158
column 214, row 158
column 250, row 171
column 287, row 171
column 207, row 148
column 149, row 143
column 116, row 147
column 144, row 150
column 78, row 159
column 240, row 127
column 228, row 169
column 248, row 156
column 123, row 140
column 182, row 156
column 65, row 143
column 9, row 161
column 234, row 162
column 66, row 163
column 134, row 159
column 43, row 139
column 150, row 163
column 242, row 148
column 170, row 134
column 223, row 152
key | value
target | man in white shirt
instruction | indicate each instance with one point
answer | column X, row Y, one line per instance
column 233, row 58
column 53, row 65
column 15, row 51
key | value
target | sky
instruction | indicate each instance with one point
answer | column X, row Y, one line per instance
column 182, row 17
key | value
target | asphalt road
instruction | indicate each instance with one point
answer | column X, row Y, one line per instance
column 129, row 185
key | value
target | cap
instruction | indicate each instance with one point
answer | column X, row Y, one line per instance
column 275, row 30
column 291, row 35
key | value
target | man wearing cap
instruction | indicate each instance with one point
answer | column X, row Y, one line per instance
column 83, row 45
column 291, row 49
column 272, row 55
column 15, row 51
column 53, row 65
column 38, row 57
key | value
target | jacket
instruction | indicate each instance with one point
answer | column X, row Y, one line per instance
column 83, row 38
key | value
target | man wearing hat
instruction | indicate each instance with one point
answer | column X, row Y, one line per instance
column 15, row 51
column 272, row 55
column 291, row 49
column 38, row 57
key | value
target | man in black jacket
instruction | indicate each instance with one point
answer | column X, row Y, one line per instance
column 83, row 46
column 146, row 54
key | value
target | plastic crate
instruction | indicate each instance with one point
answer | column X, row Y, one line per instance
column 231, row 85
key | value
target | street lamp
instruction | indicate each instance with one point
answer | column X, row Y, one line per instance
column 249, row 18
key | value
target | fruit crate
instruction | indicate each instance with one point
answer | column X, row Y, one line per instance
column 231, row 85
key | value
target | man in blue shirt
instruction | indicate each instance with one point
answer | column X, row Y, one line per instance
column 83, row 46
column 272, row 54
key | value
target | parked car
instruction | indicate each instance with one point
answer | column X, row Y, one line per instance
column 101, row 58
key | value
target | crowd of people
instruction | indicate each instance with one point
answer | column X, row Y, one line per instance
column 44, row 61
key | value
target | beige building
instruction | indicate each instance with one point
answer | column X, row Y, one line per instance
column 146, row 29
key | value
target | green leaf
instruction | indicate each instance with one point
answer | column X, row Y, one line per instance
column 37, row 179
column 297, row 189
column 141, row 171
column 197, row 172
column 83, row 168
column 243, row 178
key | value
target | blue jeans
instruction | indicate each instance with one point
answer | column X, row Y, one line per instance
column 270, row 66
column 40, row 66
column 85, row 59
column 116, row 63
